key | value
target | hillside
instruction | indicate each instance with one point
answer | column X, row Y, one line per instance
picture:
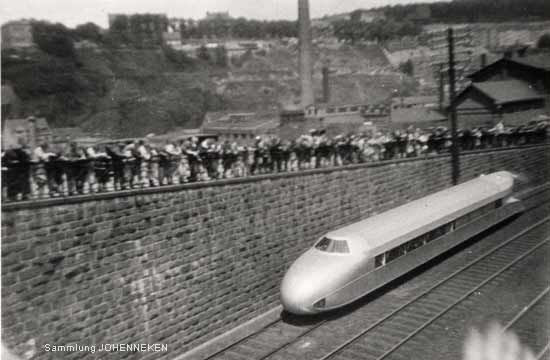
column 132, row 92
column 459, row 11
column 116, row 92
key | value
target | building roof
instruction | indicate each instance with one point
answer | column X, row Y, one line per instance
column 15, row 128
column 416, row 114
column 507, row 91
column 539, row 61
column 68, row 132
column 415, row 100
column 171, row 36
column 241, row 122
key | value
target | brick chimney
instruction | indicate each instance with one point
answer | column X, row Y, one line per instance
column 306, row 71
column 326, row 84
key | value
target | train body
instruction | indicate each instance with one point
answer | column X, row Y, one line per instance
column 350, row 262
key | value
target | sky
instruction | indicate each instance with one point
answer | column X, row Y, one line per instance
column 74, row 12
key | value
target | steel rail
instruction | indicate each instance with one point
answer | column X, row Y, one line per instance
column 526, row 309
column 544, row 350
column 240, row 341
column 462, row 298
column 435, row 286
column 292, row 341
column 522, row 195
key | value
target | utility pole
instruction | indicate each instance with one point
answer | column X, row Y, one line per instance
column 455, row 159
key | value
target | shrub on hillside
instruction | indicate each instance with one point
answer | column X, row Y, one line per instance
column 54, row 39
column 544, row 41
column 88, row 31
column 203, row 54
column 178, row 58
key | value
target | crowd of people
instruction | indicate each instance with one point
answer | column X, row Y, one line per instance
column 51, row 171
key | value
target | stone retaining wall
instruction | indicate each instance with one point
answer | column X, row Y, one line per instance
column 180, row 265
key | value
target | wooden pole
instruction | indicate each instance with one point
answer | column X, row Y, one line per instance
column 455, row 156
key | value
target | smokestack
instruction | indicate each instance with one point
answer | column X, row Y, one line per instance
column 306, row 72
column 483, row 60
column 326, row 85
column 441, row 88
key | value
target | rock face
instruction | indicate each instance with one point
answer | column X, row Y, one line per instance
column 180, row 265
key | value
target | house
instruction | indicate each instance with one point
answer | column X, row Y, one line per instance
column 242, row 127
column 172, row 39
column 512, row 89
column 10, row 102
column 339, row 118
column 531, row 68
column 367, row 16
column 31, row 131
column 17, row 34
column 421, row 13
column 488, row 102
column 417, row 111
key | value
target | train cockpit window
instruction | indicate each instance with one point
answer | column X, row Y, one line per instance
column 332, row 246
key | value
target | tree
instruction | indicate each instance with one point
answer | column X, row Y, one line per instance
column 407, row 67
column 544, row 41
column 54, row 39
column 89, row 31
column 202, row 53
column 221, row 56
column 179, row 58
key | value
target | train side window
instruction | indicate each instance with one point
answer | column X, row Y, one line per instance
column 395, row 253
column 380, row 260
column 414, row 244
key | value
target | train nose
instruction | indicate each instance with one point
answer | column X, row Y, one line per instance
column 296, row 294
column 306, row 283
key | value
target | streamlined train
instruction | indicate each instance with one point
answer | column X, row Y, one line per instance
column 350, row 262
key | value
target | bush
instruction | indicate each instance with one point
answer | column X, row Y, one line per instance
column 203, row 54
column 54, row 39
column 178, row 58
column 221, row 56
column 407, row 67
column 89, row 31
column 544, row 41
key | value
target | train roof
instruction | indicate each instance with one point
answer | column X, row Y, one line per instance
column 384, row 231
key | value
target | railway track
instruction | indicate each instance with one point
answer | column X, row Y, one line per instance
column 389, row 331
column 536, row 312
column 381, row 339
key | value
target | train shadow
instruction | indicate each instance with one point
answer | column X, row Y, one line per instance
column 308, row 320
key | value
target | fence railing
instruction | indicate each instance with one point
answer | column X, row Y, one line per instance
column 61, row 177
